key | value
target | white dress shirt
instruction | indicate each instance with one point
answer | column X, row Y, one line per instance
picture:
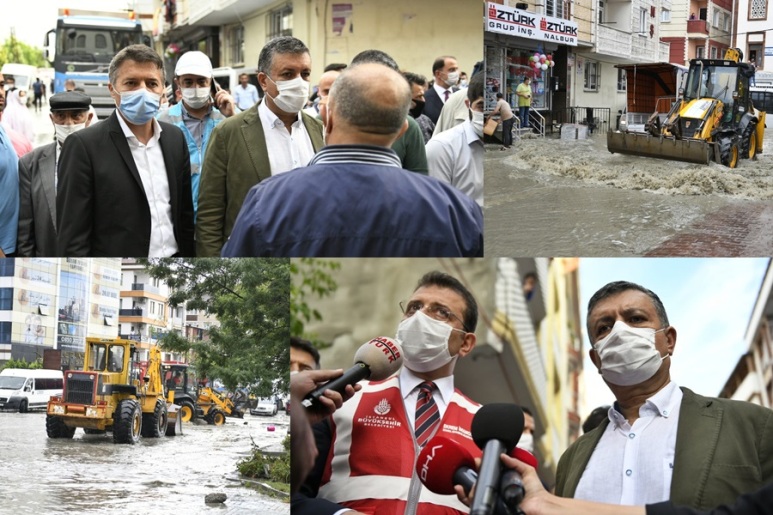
column 455, row 156
column 245, row 97
column 150, row 164
column 285, row 151
column 441, row 91
column 633, row 465
column 409, row 383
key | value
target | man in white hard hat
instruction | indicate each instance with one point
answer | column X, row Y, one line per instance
column 204, row 104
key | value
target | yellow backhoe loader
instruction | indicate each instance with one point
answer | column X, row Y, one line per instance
column 712, row 119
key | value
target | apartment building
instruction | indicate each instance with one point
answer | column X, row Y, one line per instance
column 753, row 33
column 697, row 29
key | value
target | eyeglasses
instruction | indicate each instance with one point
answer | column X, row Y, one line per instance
column 436, row 311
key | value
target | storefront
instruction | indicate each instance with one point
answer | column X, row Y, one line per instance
column 524, row 44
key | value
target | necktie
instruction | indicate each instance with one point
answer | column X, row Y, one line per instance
column 446, row 93
column 427, row 414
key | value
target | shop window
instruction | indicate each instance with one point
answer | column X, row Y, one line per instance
column 280, row 22
column 621, row 80
column 515, row 69
column 758, row 9
column 642, row 21
column 665, row 16
column 592, row 76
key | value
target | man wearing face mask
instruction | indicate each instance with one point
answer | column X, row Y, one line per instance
column 125, row 184
column 269, row 139
column 659, row 442
column 199, row 112
column 368, row 450
column 455, row 156
column 37, row 177
column 446, row 72
column 418, row 88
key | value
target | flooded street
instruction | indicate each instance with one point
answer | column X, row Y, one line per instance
column 561, row 197
column 90, row 474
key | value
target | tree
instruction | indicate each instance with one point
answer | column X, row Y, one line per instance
column 311, row 278
column 15, row 51
column 251, row 300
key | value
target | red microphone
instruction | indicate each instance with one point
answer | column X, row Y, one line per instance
column 511, row 489
column 444, row 463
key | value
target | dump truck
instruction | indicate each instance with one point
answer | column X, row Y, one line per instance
column 713, row 118
column 114, row 393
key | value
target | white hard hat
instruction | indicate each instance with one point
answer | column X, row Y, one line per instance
column 194, row 63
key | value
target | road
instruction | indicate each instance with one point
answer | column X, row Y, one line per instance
column 550, row 197
column 91, row 474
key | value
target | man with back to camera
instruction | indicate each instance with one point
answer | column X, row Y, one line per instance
column 353, row 467
column 124, row 185
column 659, row 442
column 269, row 139
column 445, row 70
column 198, row 112
column 37, row 176
column 455, row 156
column 354, row 199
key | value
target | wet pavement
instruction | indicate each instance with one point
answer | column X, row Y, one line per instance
column 550, row 197
column 91, row 474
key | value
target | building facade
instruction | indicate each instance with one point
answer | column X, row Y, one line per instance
column 753, row 34
column 697, row 29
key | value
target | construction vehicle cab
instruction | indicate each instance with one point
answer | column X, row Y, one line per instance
column 181, row 379
column 713, row 119
column 114, row 392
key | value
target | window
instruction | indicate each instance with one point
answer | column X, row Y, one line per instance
column 713, row 52
column 601, row 12
column 100, row 41
column 642, row 21
column 758, row 9
column 152, row 308
column 5, row 332
column 715, row 18
column 621, row 80
column 236, row 44
column 591, row 76
column 6, row 299
column 700, row 52
column 726, row 22
column 665, row 16
column 280, row 22
column 7, row 267
column 555, row 8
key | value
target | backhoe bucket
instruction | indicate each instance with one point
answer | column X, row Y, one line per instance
column 174, row 420
column 689, row 150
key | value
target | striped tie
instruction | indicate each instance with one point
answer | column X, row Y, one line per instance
column 427, row 414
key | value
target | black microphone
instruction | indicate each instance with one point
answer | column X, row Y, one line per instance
column 511, row 489
column 496, row 428
column 375, row 360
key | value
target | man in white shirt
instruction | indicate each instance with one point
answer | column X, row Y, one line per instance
column 445, row 70
column 456, row 155
column 124, row 186
column 245, row 149
column 245, row 94
column 660, row 442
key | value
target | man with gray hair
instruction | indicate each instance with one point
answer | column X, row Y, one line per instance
column 271, row 138
column 124, row 186
column 354, row 199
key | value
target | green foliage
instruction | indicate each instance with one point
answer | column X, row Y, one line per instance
column 15, row 51
column 256, row 465
column 250, row 299
column 310, row 277
column 20, row 363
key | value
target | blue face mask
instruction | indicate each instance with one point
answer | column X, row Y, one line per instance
column 139, row 106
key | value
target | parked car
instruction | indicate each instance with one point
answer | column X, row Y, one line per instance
column 265, row 407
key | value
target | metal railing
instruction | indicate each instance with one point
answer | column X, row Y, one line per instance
column 596, row 118
column 131, row 312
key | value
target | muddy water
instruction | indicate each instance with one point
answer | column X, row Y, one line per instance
column 558, row 197
column 90, row 474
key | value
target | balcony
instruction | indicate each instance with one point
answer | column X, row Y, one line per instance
column 613, row 42
column 697, row 27
column 132, row 312
column 222, row 12
column 145, row 287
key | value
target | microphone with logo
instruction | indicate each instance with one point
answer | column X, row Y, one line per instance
column 375, row 360
column 496, row 428
column 444, row 463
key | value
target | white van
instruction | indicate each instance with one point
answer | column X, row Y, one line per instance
column 25, row 389
column 23, row 75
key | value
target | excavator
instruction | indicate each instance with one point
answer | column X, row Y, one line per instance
column 712, row 119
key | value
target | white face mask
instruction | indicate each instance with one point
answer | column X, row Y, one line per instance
column 452, row 78
column 62, row 131
column 424, row 341
column 526, row 442
column 195, row 97
column 477, row 122
column 292, row 96
column 628, row 354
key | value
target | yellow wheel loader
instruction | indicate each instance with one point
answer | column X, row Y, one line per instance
column 114, row 392
column 712, row 119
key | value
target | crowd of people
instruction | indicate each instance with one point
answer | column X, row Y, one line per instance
column 659, row 449
column 374, row 150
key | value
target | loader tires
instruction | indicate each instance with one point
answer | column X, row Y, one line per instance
column 127, row 422
column 728, row 151
column 56, row 428
column 187, row 411
column 154, row 424
column 215, row 417
column 749, row 141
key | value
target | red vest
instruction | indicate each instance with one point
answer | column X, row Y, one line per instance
column 372, row 459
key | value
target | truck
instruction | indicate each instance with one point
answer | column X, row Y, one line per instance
column 83, row 44
column 114, row 393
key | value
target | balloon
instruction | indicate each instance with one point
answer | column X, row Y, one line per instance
column 542, row 60
column 550, row 57
column 552, row 63
column 543, row 56
column 544, row 66
column 531, row 59
column 536, row 55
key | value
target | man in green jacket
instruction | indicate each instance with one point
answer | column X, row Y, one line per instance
column 270, row 138
column 660, row 442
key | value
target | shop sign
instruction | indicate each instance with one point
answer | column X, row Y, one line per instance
column 514, row 22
